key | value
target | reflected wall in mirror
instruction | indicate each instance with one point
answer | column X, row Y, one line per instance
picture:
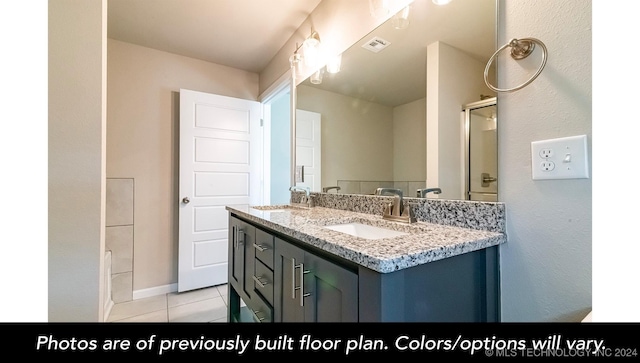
column 393, row 116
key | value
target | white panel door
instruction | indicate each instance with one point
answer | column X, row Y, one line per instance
column 220, row 165
column 308, row 148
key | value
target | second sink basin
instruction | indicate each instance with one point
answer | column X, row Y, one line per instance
column 365, row 231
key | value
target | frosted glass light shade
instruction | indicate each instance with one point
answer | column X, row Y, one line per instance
column 401, row 19
column 334, row 63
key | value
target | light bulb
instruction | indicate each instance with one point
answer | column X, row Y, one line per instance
column 311, row 55
column 441, row 2
column 334, row 63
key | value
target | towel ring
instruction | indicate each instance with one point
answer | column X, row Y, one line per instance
column 520, row 49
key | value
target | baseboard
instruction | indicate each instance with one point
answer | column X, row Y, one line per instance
column 107, row 309
column 154, row 291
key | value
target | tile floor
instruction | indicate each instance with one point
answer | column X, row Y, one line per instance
column 197, row 306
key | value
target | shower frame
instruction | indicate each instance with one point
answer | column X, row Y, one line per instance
column 466, row 112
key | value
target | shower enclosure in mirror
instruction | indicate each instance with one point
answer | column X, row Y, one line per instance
column 481, row 154
column 391, row 117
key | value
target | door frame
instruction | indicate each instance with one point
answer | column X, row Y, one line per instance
column 466, row 119
column 282, row 85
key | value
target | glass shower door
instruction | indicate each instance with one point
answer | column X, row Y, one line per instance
column 482, row 154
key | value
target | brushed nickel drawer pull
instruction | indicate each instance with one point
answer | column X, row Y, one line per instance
column 259, row 282
column 260, row 248
column 256, row 318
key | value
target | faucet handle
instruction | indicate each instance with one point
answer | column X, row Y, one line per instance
column 389, row 191
column 421, row 193
column 311, row 201
column 408, row 213
column 299, row 188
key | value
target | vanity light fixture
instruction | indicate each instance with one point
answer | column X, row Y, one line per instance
column 295, row 61
column 441, row 2
column 401, row 19
column 379, row 8
column 310, row 55
column 312, row 40
column 316, row 78
column 334, row 63
column 311, row 47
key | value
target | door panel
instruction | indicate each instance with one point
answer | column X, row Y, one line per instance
column 220, row 165
column 308, row 148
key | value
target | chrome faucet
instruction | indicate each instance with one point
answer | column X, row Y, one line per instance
column 307, row 198
column 396, row 211
column 423, row 192
column 327, row 189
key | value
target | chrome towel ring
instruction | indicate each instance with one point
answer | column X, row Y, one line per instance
column 520, row 49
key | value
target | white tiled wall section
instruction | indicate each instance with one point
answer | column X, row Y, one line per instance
column 369, row 186
column 119, row 202
column 119, row 236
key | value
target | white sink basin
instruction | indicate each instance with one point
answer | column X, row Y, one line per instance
column 365, row 231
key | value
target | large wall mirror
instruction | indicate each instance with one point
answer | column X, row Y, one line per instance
column 409, row 108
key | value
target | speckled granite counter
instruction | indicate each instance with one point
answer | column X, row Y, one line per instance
column 425, row 242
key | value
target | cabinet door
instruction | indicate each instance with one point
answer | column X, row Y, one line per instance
column 309, row 288
column 332, row 291
column 287, row 261
column 241, row 255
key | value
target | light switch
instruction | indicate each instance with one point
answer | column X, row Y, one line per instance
column 562, row 158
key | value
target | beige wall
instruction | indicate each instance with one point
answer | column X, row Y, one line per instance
column 346, row 153
column 142, row 124
column 453, row 80
column 409, row 142
column 76, row 194
column 546, row 264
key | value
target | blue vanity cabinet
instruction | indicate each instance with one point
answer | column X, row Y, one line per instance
column 282, row 279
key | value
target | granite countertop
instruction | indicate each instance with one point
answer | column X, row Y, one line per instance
column 424, row 242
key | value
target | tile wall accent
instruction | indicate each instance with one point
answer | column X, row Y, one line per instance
column 408, row 188
column 487, row 216
column 119, row 236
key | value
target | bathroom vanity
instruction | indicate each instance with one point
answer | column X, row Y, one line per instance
column 289, row 264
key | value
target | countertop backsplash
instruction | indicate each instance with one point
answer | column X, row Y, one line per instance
column 486, row 216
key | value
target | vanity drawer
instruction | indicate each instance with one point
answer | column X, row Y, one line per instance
column 263, row 281
column 264, row 247
column 258, row 311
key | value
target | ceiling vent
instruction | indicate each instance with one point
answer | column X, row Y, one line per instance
column 376, row 44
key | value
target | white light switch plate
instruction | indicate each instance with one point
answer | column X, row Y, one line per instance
column 562, row 158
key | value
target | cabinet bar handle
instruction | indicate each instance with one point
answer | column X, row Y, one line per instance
column 240, row 237
column 293, row 281
column 260, row 248
column 293, row 278
column 259, row 282
column 235, row 239
column 302, row 293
